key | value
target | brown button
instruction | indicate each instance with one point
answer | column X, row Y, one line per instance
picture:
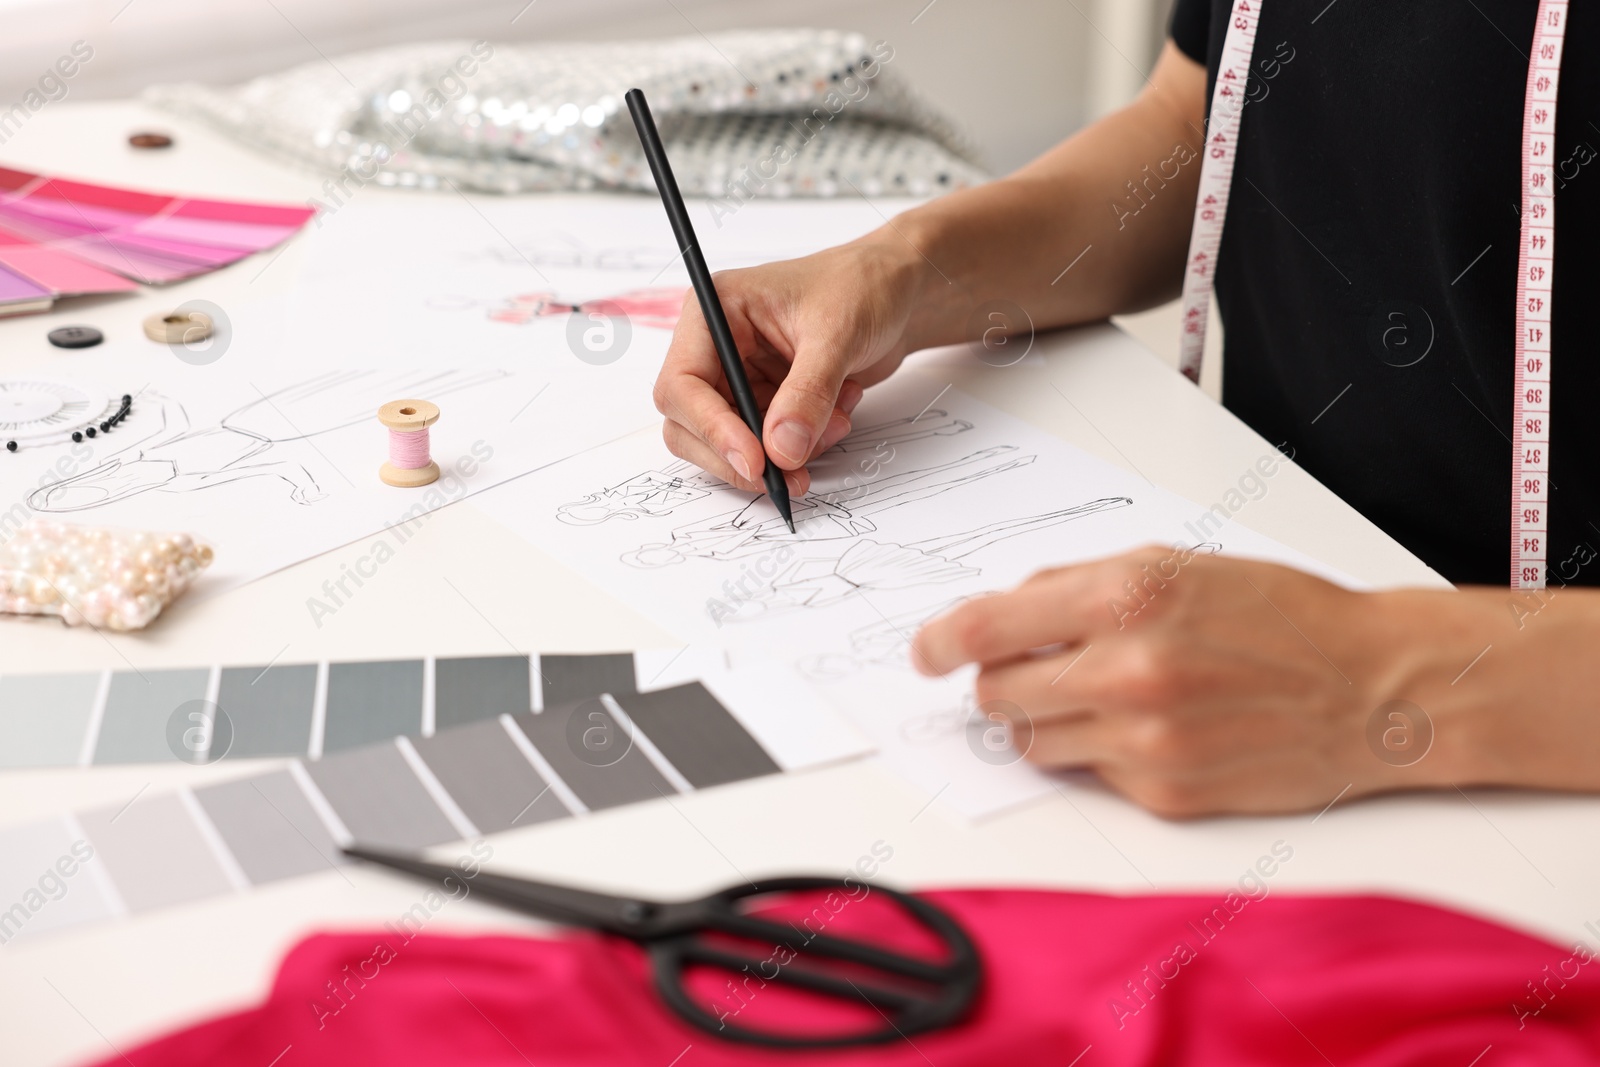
column 150, row 140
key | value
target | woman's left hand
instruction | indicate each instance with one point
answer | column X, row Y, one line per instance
column 1198, row 684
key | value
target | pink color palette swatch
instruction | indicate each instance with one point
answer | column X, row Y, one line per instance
column 67, row 238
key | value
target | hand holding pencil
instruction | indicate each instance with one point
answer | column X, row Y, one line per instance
column 807, row 335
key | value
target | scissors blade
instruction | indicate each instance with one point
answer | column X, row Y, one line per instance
column 564, row 904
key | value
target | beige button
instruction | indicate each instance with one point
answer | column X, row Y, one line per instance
column 179, row 328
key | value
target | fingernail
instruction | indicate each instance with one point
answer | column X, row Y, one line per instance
column 848, row 403
column 792, row 480
column 837, row 430
column 737, row 461
column 791, row 441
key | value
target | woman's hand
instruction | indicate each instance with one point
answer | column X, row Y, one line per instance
column 813, row 333
column 1201, row 684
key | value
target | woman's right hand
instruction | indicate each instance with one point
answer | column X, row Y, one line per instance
column 813, row 332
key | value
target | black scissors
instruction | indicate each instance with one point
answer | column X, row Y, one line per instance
column 920, row 994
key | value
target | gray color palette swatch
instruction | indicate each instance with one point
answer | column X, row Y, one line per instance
column 489, row 778
column 162, row 850
column 594, row 754
column 140, row 708
column 372, row 702
column 269, row 708
column 270, row 827
column 155, row 852
column 563, row 679
column 699, row 736
column 380, row 799
column 70, row 895
column 470, row 689
column 44, row 718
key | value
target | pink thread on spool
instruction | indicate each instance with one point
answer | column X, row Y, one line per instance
column 409, row 464
column 408, row 451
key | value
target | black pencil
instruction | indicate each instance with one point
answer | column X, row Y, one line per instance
column 710, row 306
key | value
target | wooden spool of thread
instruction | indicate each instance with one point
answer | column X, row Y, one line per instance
column 409, row 464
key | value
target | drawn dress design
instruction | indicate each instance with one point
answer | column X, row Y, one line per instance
column 177, row 457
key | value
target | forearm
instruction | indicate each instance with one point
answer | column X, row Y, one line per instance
column 1509, row 681
column 1097, row 226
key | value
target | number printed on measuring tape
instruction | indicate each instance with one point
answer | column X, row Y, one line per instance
column 1530, row 451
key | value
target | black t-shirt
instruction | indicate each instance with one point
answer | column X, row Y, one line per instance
column 1379, row 226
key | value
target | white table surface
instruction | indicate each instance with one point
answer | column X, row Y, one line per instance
column 1525, row 859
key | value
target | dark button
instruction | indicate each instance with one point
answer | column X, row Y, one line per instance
column 150, row 140
column 76, row 337
column 11, row 446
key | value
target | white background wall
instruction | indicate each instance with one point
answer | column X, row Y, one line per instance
column 1017, row 75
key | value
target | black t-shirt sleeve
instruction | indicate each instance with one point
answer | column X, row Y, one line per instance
column 1191, row 28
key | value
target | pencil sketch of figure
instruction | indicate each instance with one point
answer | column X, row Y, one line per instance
column 843, row 513
column 658, row 493
column 902, row 431
column 869, row 565
column 657, row 308
column 175, row 456
column 648, row 495
column 886, row 643
column 560, row 250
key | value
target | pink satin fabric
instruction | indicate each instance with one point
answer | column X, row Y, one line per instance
column 1092, row 980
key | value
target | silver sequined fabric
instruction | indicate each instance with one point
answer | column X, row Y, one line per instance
column 751, row 114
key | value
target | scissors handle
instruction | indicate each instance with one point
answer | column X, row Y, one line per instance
column 695, row 951
column 857, row 952
column 939, row 992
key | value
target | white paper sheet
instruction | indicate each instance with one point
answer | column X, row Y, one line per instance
column 786, row 712
column 264, row 440
column 934, row 498
column 272, row 465
column 445, row 279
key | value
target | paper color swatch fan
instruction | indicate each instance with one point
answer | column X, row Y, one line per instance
column 68, row 238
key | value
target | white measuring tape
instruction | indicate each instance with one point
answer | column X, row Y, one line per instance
column 1530, row 458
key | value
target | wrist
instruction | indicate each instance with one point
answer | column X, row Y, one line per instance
column 1401, row 724
column 1420, row 693
column 905, row 250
